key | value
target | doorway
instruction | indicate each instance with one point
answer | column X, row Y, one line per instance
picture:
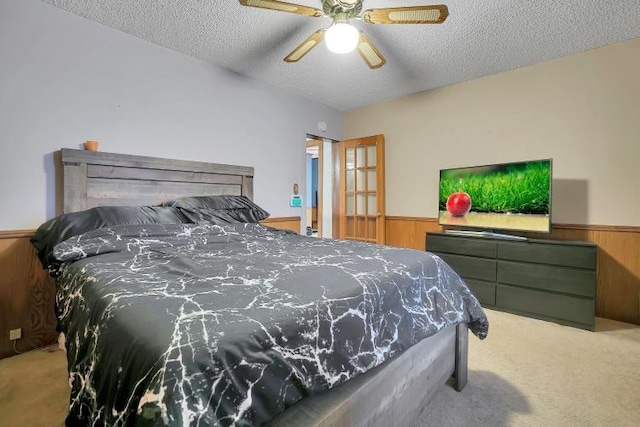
column 313, row 198
column 319, row 199
column 345, row 192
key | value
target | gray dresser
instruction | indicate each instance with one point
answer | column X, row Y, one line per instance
column 546, row 279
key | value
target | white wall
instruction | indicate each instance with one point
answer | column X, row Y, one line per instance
column 64, row 79
column 583, row 111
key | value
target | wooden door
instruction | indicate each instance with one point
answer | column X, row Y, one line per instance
column 361, row 189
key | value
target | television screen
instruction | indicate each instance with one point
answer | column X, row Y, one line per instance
column 508, row 196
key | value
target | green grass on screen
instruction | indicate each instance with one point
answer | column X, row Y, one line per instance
column 516, row 188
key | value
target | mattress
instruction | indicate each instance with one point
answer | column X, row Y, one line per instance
column 187, row 324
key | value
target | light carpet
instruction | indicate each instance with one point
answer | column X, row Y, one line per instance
column 526, row 373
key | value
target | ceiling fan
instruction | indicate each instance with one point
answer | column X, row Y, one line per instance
column 341, row 37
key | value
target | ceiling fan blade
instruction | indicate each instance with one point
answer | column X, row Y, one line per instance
column 435, row 14
column 369, row 53
column 283, row 7
column 304, row 48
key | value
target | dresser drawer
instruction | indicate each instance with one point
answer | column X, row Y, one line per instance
column 572, row 309
column 461, row 246
column 471, row 268
column 547, row 279
column 578, row 256
column 551, row 278
column 484, row 291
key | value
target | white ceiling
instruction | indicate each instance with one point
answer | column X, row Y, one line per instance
column 479, row 38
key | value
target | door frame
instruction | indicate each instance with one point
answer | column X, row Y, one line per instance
column 316, row 141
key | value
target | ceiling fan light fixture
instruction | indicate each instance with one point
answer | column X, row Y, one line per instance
column 341, row 37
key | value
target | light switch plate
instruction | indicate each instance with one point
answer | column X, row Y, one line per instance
column 295, row 201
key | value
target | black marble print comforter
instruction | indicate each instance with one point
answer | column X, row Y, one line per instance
column 205, row 325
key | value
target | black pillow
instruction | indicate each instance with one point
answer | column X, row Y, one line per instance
column 226, row 207
column 221, row 216
column 62, row 227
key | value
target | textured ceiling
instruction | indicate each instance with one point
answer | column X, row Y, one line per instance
column 479, row 38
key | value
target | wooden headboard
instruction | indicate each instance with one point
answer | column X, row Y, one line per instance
column 94, row 178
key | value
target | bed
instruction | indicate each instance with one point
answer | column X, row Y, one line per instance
column 205, row 323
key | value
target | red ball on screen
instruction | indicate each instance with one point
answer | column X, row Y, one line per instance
column 459, row 204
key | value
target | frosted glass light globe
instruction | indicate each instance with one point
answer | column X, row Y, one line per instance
column 341, row 38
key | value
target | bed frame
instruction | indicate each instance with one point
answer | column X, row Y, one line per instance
column 94, row 178
column 392, row 394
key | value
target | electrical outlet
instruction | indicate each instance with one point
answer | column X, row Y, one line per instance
column 15, row 334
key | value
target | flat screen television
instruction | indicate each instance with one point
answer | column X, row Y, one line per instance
column 508, row 196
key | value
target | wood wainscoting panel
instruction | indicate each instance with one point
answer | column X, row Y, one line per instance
column 409, row 232
column 26, row 295
column 618, row 282
column 27, row 292
column 284, row 223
